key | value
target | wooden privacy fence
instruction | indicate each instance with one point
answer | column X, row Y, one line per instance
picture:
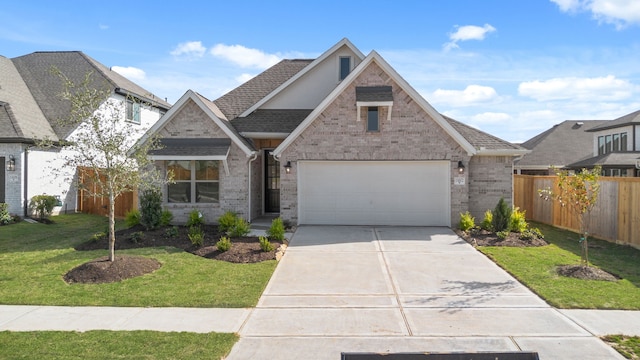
column 100, row 205
column 615, row 217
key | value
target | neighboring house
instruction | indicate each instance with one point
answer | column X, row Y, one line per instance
column 561, row 145
column 30, row 108
column 341, row 139
column 615, row 147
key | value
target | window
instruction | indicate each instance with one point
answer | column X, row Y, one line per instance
column 601, row 145
column 345, row 66
column 607, row 142
column 616, row 142
column 195, row 181
column 612, row 143
column 133, row 111
column 623, row 141
column 372, row 119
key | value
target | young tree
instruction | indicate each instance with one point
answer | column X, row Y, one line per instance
column 578, row 193
column 102, row 143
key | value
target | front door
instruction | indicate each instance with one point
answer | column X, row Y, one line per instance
column 272, row 184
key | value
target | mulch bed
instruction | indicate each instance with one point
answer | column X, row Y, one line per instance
column 243, row 250
column 486, row 238
column 585, row 273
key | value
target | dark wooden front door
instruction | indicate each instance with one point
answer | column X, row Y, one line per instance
column 272, row 184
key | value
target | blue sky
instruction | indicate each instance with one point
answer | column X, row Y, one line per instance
column 510, row 68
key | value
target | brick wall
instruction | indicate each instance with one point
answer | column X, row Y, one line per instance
column 490, row 178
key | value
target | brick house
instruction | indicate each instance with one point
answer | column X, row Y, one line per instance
column 341, row 139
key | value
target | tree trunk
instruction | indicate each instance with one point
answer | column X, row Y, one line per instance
column 112, row 225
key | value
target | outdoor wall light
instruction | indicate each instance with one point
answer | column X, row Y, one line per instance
column 287, row 167
column 460, row 167
column 11, row 165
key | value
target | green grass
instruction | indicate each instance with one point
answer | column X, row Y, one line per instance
column 628, row 346
column 114, row 345
column 535, row 267
column 34, row 257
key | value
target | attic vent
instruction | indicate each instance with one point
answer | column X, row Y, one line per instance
column 579, row 123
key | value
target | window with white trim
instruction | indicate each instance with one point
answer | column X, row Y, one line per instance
column 345, row 67
column 612, row 143
column 133, row 111
column 373, row 119
column 194, row 181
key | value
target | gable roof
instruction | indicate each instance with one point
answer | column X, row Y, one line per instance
column 625, row 120
column 35, row 70
column 270, row 121
column 563, row 144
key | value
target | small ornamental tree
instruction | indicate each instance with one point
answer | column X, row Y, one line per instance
column 579, row 194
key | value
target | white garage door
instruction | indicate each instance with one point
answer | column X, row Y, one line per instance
column 374, row 192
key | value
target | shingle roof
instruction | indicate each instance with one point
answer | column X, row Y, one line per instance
column 192, row 147
column 623, row 159
column 20, row 115
column 560, row 145
column 374, row 93
column 271, row 121
column 479, row 139
column 236, row 101
column 629, row 119
column 35, row 70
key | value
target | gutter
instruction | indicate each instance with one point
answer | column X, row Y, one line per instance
column 501, row 152
column 264, row 135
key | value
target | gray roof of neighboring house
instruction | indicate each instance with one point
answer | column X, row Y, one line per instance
column 35, row 70
column 374, row 93
column 236, row 101
column 20, row 116
column 563, row 144
column 479, row 139
column 625, row 120
column 192, row 147
column 622, row 159
column 271, row 121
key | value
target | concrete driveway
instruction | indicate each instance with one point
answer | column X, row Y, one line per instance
column 401, row 289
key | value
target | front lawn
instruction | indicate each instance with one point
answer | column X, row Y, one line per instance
column 114, row 345
column 535, row 267
column 34, row 258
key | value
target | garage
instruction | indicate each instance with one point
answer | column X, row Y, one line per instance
column 374, row 193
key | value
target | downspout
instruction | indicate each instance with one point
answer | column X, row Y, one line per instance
column 25, row 169
column 255, row 156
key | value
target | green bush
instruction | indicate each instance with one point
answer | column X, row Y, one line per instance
column 43, row 205
column 132, row 218
column 224, row 244
column 226, row 221
column 240, row 228
column 137, row 236
column 5, row 217
column 165, row 217
column 503, row 234
column 265, row 244
column 467, row 221
column 151, row 208
column 487, row 222
column 518, row 221
column 98, row 236
column 196, row 235
column 195, row 218
column 531, row 234
column 501, row 216
column 171, row 232
column 276, row 230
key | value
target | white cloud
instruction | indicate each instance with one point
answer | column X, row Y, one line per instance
column 189, row 49
column 607, row 88
column 617, row 12
column 491, row 118
column 472, row 94
column 131, row 73
column 245, row 57
column 468, row 32
column 244, row 78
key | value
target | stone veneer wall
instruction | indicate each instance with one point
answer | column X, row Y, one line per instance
column 192, row 122
column 336, row 135
column 490, row 178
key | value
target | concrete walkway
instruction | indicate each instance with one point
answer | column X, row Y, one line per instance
column 364, row 289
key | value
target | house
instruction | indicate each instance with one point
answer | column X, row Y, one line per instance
column 30, row 108
column 557, row 147
column 615, row 147
column 340, row 139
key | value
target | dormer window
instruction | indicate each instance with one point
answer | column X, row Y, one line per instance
column 612, row 143
column 372, row 98
column 345, row 66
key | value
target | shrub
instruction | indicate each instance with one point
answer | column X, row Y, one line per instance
column 171, row 232
column 226, row 221
column 137, row 236
column 132, row 217
column 195, row 218
column 502, row 234
column 265, row 244
column 5, row 217
column 531, row 234
column 240, row 228
column 196, row 235
column 501, row 216
column 43, row 205
column 276, row 231
column 165, row 217
column 151, row 208
column 487, row 222
column 98, row 236
column 518, row 222
column 467, row 221
column 224, row 244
